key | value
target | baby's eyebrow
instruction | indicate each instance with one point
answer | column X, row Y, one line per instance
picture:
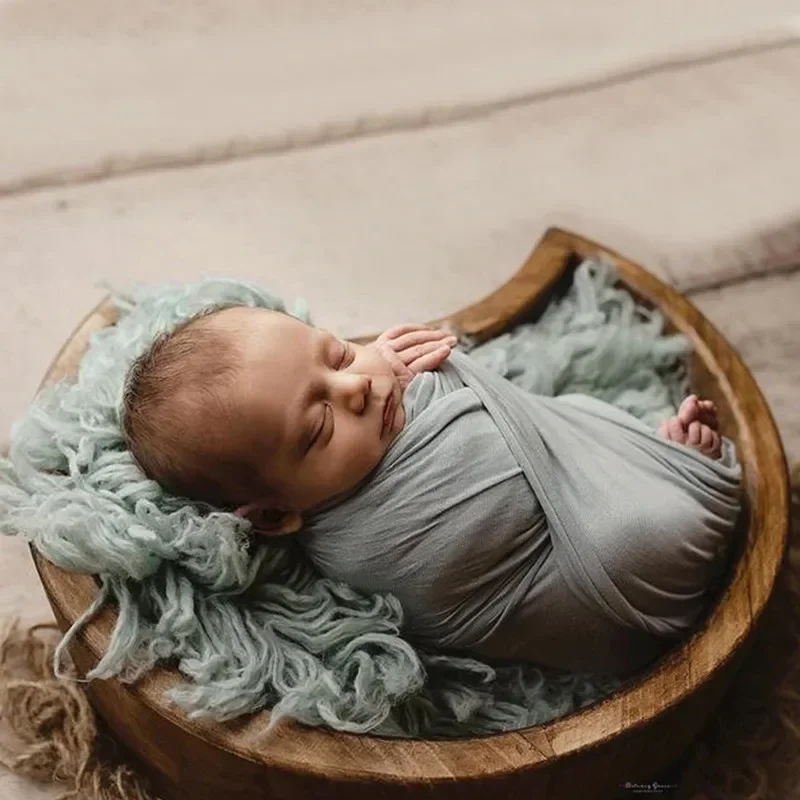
column 301, row 442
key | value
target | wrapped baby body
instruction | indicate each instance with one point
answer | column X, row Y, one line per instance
column 558, row 530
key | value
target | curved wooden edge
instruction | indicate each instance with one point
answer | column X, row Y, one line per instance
column 327, row 753
column 758, row 443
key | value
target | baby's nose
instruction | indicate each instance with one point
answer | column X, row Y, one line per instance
column 357, row 390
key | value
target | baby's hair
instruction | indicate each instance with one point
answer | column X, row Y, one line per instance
column 176, row 395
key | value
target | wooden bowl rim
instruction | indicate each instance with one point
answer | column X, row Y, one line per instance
column 345, row 754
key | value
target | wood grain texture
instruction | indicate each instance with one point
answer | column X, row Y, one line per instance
column 630, row 736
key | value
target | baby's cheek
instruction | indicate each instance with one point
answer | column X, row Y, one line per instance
column 382, row 362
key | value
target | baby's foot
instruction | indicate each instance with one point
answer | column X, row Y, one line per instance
column 695, row 426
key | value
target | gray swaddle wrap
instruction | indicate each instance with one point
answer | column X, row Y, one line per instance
column 560, row 530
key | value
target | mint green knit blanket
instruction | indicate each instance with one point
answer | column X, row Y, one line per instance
column 252, row 625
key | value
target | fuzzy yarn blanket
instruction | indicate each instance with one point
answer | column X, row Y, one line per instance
column 254, row 625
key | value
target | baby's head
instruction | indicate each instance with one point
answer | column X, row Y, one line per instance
column 253, row 410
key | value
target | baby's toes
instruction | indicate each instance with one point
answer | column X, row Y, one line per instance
column 708, row 414
column 688, row 410
column 710, row 442
column 694, row 434
column 675, row 430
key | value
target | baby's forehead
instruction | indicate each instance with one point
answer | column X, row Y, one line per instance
column 263, row 395
column 249, row 319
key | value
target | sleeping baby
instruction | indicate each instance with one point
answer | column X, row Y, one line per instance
column 558, row 530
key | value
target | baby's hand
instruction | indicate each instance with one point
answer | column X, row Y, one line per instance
column 412, row 348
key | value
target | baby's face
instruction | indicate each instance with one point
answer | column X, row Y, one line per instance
column 311, row 405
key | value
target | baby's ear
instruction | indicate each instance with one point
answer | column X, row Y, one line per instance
column 268, row 520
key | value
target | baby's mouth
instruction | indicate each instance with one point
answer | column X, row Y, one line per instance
column 388, row 413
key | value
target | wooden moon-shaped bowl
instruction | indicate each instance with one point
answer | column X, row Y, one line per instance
column 629, row 737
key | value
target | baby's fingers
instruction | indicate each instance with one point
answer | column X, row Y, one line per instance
column 406, row 327
column 431, row 360
column 409, row 340
column 410, row 355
